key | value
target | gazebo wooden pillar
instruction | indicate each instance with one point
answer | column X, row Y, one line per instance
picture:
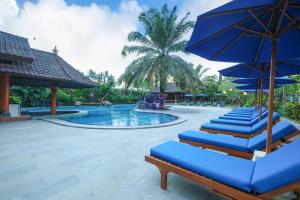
column 4, row 93
column 53, row 100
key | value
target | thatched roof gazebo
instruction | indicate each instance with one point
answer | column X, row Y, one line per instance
column 174, row 93
column 24, row 66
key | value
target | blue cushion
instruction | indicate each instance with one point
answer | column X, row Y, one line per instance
column 230, row 128
column 277, row 169
column 229, row 170
column 236, row 118
column 226, row 141
column 263, row 123
column 241, row 129
column 279, row 131
column 235, row 122
column 238, row 115
column 245, row 118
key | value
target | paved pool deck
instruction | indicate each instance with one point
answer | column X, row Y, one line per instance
column 40, row 160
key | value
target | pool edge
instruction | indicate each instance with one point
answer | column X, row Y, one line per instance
column 179, row 120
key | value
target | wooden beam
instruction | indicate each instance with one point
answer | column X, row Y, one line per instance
column 261, row 96
column 262, row 40
column 5, row 92
column 251, row 30
column 290, row 25
column 53, row 100
column 290, row 17
column 286, row 3
column 271, row 95
column 259, row 21
column 234, row 40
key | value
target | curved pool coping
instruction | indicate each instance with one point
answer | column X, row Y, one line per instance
column 179, row 120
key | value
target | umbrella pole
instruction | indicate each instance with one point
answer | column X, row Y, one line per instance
column 271, row 95
column 261, row 94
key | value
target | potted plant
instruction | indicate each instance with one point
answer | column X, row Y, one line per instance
column 14, row 106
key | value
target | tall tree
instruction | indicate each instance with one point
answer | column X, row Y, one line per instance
column 201, row 70
column 158, row 48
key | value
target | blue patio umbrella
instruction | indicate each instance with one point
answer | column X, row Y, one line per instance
column 245, row 31
column 255, row 81
column 262, row 70
column 201, row 95
column 188, row 95
column 254, row 87
column 254, row 90
column 253, row 31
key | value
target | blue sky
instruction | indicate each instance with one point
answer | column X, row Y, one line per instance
column 113, row 4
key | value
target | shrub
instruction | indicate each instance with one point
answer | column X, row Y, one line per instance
column 15, row 100
column 291, row 110
column 64, row 98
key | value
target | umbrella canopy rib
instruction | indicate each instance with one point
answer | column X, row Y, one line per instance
column 236, row 39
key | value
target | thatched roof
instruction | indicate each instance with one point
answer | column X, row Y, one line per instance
column 46, row 69
column 170, row 88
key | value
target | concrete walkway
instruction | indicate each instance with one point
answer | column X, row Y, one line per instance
column 40, row 160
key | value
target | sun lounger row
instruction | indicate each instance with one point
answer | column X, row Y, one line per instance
column 282, row 132
column 234, row 175
column 239, row 131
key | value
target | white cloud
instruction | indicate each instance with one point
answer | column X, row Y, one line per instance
column 88, row 37
column 197, row 7
column 8, row 8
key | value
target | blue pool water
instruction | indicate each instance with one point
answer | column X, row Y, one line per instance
column 115, row 116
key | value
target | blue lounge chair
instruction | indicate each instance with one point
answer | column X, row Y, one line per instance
column 204, row 103
column 232, row 177
column 239, row 131
column 282, row 132
column 239, row 122
column 241, row 114
column 214, row 103
column 244, row 109
column 198, row 103
column 242, row 118
column 245, row 112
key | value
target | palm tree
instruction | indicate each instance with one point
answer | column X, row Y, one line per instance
column 158, row 47
column 201, row 70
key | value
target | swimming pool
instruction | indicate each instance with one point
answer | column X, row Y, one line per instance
column 114, row 116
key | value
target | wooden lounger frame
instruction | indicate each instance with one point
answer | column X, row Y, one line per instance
column 236, row 134
column 233, row 152
column 220, row 188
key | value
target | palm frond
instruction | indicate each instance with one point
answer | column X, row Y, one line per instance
column 177, row 47
column 138, row 50
column 138, row 37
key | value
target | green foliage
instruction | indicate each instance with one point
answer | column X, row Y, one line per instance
column 15, row 100
column 210, row 86
column 289, row 109
column 158, row 49
column 65, row 97
column 31, row 96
